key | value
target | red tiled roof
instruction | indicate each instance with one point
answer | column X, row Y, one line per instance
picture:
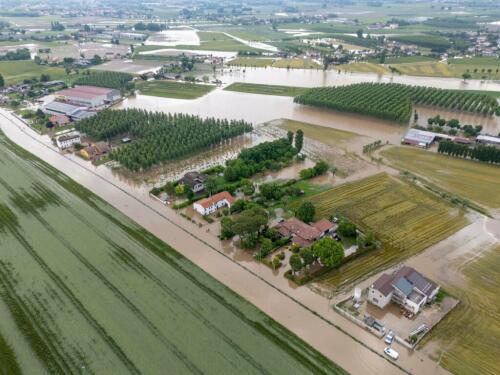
column 323, row 225
column 85, row 91
column 298, row 228
column 384, row 284
column 207, row 202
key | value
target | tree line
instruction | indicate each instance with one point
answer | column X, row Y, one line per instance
column 19, row 54
column 158, row 137
column 113, row 80
column 392, row 101
column 489, row 154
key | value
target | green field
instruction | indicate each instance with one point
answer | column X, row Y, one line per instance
column 323, row 134
column 83, row 289
column 471, row 334
column 296, row 64
column 479, row 182
column 255, row 62
column 404, row 217
column 16, row 71
column 255, row 88
column 177, row 90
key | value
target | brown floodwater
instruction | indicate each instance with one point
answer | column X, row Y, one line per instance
column 318, row 77
column 304, row 312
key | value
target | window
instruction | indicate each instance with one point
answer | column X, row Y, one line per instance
column 375, row 300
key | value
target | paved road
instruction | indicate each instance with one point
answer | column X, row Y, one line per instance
column 300, row 310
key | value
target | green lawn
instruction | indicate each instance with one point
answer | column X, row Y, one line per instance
column 84, row 287
column 476, row 181
column 254, row 88
column 256, row 62
column 176, row 90
column 16, row 71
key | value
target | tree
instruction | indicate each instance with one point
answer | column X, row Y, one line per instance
column 249, row 221
column 266, row 245
column 306, row 212
column 39, row 113
column 329, row 251
column 206, row 79
column 295, row 262
column 320, row 168
column 299, row 140
column 346, row 229
column 307, row 256
column 226, row 231
column 211, row 185
column 44, row 77
column 359, row 33
column 466, row 76
column 96, row 60
column 276, row 262
column 2, row 82
column 179, row 189
column 289, row 136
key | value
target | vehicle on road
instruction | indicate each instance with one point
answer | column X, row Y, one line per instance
column 389, row 338
column 391, row 353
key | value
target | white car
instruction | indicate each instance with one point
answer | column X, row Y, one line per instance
column 391, row 353
column 389, row 338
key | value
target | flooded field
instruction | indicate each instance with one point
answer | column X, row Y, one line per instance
column 174, row 37
column 319, row 77
column 130, row 66
column 96, row 293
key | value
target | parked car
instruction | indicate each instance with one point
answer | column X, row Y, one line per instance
column 389, row 338
column 391, row 353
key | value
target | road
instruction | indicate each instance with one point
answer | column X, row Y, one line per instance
column 302, row 311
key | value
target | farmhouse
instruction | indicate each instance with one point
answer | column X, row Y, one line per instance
column 89, row 96
column 68, row 140
column 304, row 234
column 195, row 180
column 59, row 120
column 420, row 138
column 407, row 288
column 209, row 205
column 93, row 152
column 488, row 139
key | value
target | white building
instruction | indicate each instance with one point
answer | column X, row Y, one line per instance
column 67, row 140
column 210, row 205
column 407, row 287
column 89, row 96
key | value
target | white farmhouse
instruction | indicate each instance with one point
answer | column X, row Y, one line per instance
column 209, row 205
column 67, row 140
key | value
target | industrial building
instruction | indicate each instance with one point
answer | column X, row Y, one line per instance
column 488, row 139
column 74, row 112
column 89, row 96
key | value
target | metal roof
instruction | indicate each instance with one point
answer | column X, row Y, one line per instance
column 488, row 138
column 420, row 136
column 404, row 286
column 61, row 107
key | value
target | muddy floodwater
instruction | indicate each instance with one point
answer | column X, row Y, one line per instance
column 318, row 77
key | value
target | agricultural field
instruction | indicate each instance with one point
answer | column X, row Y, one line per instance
column 296, row 64
column 476, row 181
column 256, row 88
column 177, row 90
column 405, row 218
column 471, row 334
column 363, row 67
column 16, row 71
column 254, row 62
column 85, row 289
column 323, row 134
column 395, row 102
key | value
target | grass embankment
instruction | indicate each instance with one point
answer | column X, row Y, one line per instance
column 470, row 334
column 323, row 134
column 176, row 90
column 476, row 181
column 181, row 314
column 405, row 218
column 255, row 88
column 16, row 71
column 256, row 62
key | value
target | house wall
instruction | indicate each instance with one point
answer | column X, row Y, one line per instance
column 377, row 298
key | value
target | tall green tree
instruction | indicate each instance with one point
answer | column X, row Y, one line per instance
column 2, row 82
column 289, row 136
column 295, row 263
column 306, row 212
column 329, row 251
column 299, row 140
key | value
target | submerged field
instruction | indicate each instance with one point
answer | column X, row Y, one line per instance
column 256, row 88
column 84, row 289
column 176, row 90
column 290, row 63
column 405, row 218
column 471, row 334
column 476, row 181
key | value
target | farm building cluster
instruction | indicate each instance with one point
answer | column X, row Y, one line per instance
column 425, row 139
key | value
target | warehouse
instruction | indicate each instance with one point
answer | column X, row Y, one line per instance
column 89, row 96
column 420, row 138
